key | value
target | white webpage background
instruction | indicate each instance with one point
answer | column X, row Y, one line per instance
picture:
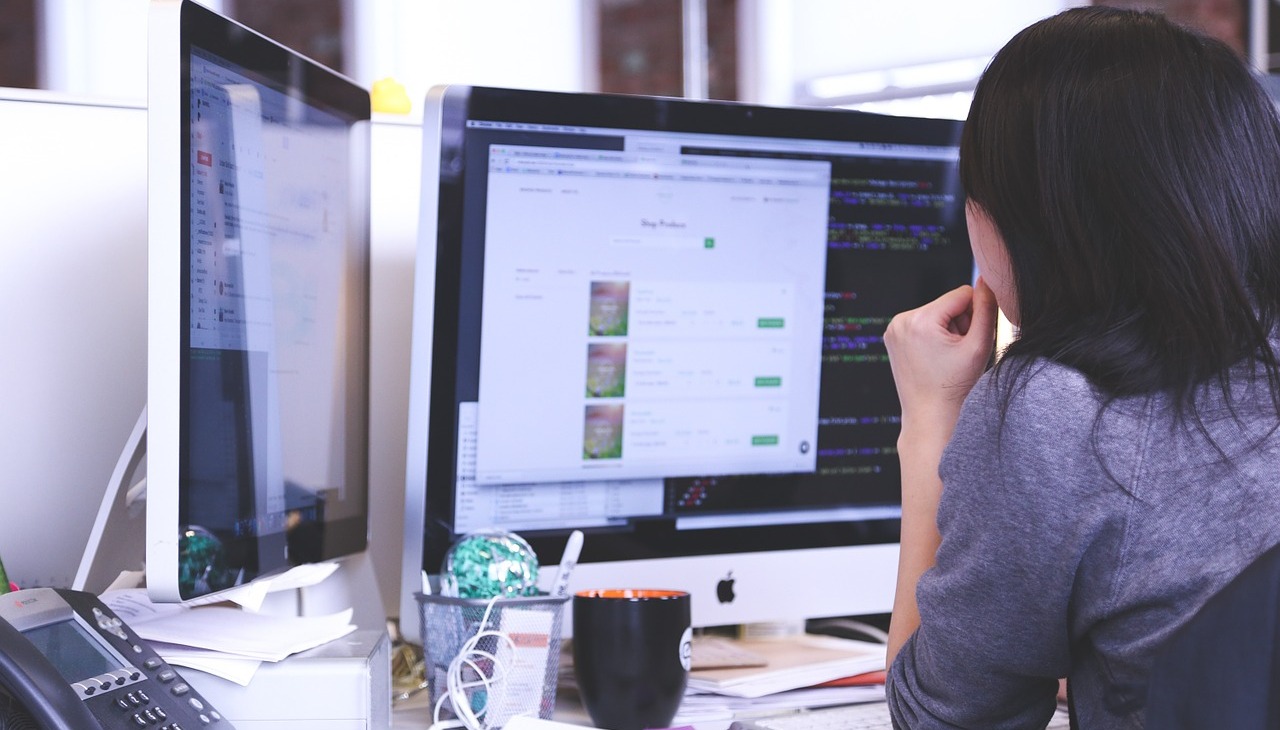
column 558, row 220
column 546, row 506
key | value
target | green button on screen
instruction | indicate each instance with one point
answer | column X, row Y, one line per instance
column 772, row 381
column 770, row 322
column 764, row 440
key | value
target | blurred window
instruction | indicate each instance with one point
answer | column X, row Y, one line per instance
column 18, row 44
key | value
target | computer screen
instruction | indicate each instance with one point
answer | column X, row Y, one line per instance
column 258, row 339
column 660, row 322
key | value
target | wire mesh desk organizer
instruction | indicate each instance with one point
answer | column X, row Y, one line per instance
column 488, row 660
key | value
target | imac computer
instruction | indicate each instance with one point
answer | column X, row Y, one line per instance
column 660, row 322
column 258, row 285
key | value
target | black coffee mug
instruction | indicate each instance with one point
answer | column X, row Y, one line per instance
column 631, row 654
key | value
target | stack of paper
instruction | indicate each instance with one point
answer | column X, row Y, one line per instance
column 225, row 641
column 792, row 662
column 699, row 708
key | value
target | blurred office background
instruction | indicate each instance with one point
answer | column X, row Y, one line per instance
column 905, row 56
column 73, row 261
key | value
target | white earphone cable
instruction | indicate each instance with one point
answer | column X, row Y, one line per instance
column 458, row 687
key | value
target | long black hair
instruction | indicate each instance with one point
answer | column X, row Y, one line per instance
column 1132, row 168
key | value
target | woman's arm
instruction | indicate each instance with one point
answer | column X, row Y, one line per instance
column 937, row 353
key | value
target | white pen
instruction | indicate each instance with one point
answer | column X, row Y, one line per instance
column 572, row 549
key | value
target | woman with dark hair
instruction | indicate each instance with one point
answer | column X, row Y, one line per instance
column 1120, row 464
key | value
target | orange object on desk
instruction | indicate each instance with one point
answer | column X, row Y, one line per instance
column 857, row 680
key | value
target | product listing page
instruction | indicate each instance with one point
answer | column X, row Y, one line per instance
column 665, row 309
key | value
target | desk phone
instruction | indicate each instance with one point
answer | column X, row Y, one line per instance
column 67, row 661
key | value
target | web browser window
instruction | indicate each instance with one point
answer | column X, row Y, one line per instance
column 667, row 307
column 661, row 325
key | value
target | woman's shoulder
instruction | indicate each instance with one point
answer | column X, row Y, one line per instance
column 1035, row 392
column 1038, row 421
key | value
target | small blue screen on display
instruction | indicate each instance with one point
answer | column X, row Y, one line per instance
column 72, row 651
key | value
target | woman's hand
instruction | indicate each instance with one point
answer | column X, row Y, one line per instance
column 938, row 351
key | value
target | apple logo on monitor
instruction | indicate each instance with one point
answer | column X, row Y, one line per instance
column 724, row 589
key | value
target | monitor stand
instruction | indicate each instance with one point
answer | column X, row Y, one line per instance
column 117, row 541
column 117, row 550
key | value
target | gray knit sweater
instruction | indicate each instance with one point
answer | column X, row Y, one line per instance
column 1073, row 543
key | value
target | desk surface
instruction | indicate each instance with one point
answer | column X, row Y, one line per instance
column 706, row 713
column 415, row 713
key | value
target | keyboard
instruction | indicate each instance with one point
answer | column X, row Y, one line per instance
column 868, row 716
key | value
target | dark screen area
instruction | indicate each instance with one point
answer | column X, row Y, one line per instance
column 273, row 465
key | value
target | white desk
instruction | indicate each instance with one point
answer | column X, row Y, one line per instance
column 415, row 714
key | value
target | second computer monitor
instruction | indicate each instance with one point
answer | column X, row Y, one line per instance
column 258, row 279
column 661, row 322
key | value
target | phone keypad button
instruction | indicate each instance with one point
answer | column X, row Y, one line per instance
column 140, row 721
column 167, row 675
column 196, row 704
column 152, row 663
column 123, row 703
column 180, row 689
